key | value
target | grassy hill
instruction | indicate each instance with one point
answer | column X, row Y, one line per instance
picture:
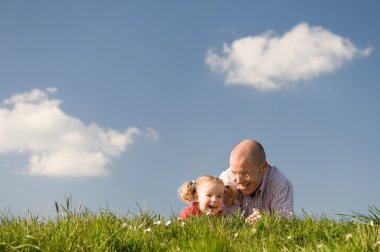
column 146, row 231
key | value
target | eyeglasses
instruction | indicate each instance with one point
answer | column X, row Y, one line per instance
column 245, row 175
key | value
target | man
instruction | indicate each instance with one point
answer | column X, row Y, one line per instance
column 261, row 187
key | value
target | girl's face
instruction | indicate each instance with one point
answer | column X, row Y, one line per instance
column 210, row 197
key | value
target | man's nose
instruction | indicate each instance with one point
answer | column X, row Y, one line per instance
column 238, row 178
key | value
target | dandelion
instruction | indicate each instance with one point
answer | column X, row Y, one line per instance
column 168, row 223
column 348, row 236
column 147, row 230
column 236, row 234
column 157, row 223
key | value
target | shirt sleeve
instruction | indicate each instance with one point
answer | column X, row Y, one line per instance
column 226, row 178
column 185, row 213
column 190, row 210
column 229, row 209
column 282, row 202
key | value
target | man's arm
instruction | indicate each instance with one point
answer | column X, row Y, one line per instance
column 229, row 209
column 226, row 179
column 282, row 203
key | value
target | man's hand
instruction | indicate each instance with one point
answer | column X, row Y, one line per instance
column 254, row 216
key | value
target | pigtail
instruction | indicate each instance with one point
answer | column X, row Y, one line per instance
column 229, row 194
column 186, row 191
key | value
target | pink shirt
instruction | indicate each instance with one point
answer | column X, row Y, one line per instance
column 274, row 194
column 193, row 210
column 190, row 210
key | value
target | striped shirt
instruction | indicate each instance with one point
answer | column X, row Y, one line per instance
column 275, row 194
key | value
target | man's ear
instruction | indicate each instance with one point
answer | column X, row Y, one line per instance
column 264, row 166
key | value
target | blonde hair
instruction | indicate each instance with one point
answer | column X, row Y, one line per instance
column 188, row 189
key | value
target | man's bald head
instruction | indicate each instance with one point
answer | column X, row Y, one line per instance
column 250, row 149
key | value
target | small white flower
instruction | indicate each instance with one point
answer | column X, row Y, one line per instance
column 157, row 222
column 168, row 223
column 182, row 224
column 254, row 230
column 371, row 223
column 236, row 234
column 348, row 236
column 147, row 230
column 319, row 245
column 378, row 242
column 354, row 220
column 289, row 237
column 124, row 225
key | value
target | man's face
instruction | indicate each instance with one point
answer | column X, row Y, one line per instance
column 246, row 173
column 210, row 197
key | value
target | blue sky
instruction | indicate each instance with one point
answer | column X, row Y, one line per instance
column 117, row 103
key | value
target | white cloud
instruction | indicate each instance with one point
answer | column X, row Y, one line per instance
column 270, row 62
column 59, row 144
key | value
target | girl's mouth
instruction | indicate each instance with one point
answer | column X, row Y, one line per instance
column 212, row 208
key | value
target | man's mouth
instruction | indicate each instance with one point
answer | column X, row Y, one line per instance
column 243, row 187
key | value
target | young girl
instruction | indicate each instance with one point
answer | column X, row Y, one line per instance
column 206, row 196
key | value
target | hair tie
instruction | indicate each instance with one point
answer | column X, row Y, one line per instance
column 192, row 183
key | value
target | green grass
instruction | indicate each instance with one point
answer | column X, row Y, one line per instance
column 146, row 231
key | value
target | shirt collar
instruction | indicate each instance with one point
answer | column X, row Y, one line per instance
column 260, row 189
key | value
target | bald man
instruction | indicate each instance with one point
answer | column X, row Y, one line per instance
column 261, row 187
